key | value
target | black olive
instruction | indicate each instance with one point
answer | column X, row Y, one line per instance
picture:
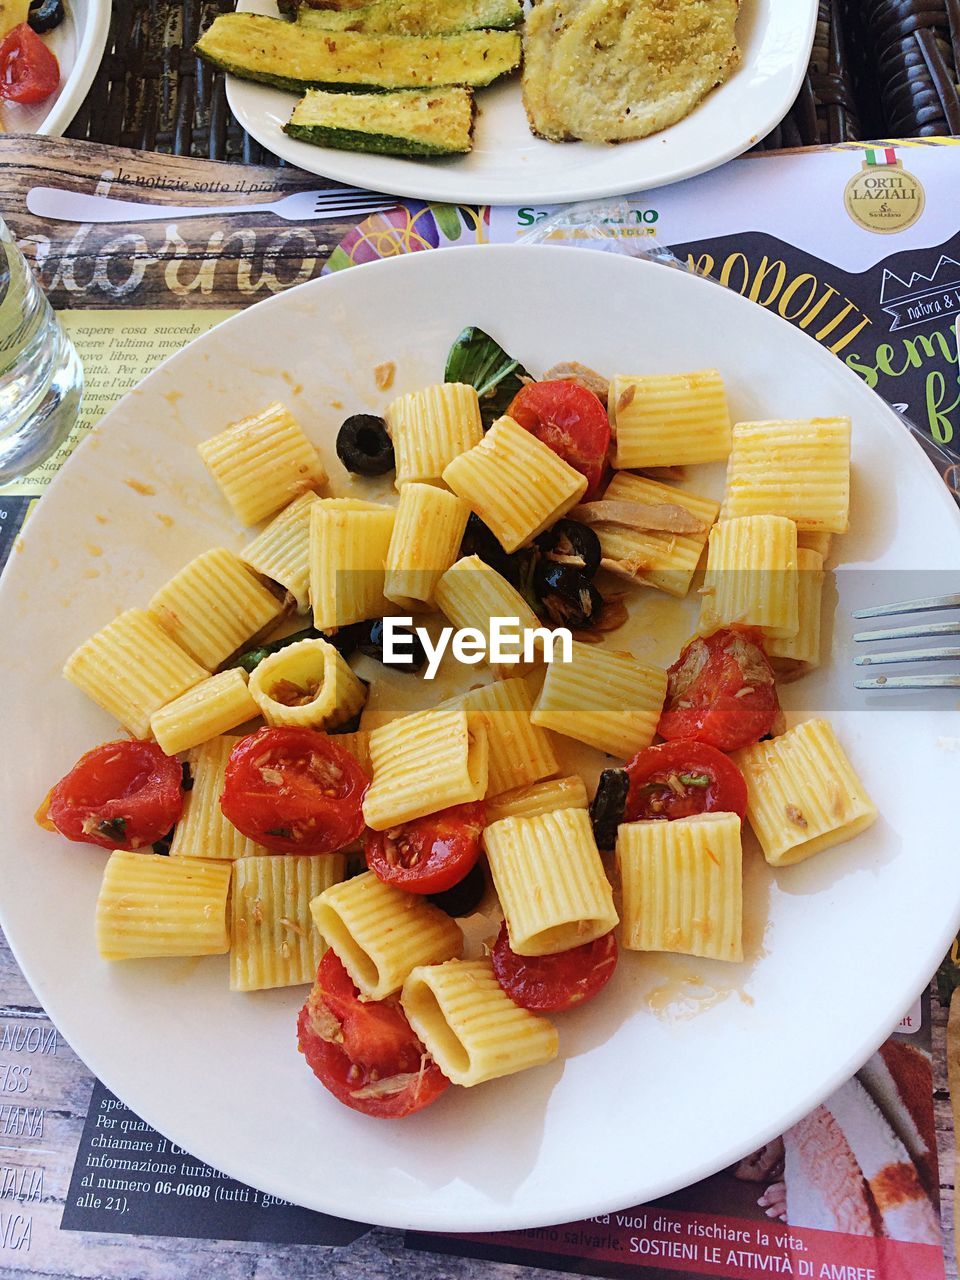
column 44, row 15
column 464, row 897
column 364, row 447
column 566, row 595
column 479, row 540
column 608, row 805
column 368, row 638
column 569, row 538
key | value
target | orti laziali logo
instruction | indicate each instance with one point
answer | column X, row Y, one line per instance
column 883, row 197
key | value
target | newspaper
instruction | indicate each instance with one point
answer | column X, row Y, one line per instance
column 853, row 1191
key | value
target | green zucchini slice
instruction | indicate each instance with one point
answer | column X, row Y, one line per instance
column 406, row 122
column 289, row 56
column 416, row 17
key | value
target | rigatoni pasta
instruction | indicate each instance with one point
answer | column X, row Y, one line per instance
column 541, row 797
column 307, row 684
column 211, row 708
column 669, row 419
column 802, row 651
column 751, row 578
column 150, row 905
column 282, row 551
column 682, row 884
column 431, row 427
column 381, row 933
column 471, row 594
column 472, row 1029
column 425, row 541
column 203, row 831
column 348, row 554
column 518, row 751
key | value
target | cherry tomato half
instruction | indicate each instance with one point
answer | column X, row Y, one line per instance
column 29, row 72
column 121, row 795
column 431, row 854
column 365, row 1052
column 721, row 691
column 560, row 981
column 681, row 779
column 294, row 791
column 572, row 421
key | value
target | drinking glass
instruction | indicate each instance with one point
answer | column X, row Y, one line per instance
column 41, row 378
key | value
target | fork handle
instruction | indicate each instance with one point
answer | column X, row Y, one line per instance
column 71, row 206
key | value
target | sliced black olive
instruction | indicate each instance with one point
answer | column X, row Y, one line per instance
column 566, row 595
column 464, row 897
column 368, row 638
column 569, row 539
column 44, row 15
column 163, row 844
column 608, row 805
column 364, row 446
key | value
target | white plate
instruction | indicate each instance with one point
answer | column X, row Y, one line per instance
column 78, row 42
column 638, row 1103
column 508, row 165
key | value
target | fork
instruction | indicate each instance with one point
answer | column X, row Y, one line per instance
column 301, row 206
column 924, row 605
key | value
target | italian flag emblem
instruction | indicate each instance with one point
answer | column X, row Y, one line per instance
column 885, row 156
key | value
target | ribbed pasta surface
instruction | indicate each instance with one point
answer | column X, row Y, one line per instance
column 550, row 880
column 804, row 647
column 470, row 1026
column 518, row 751
column 515, row 483
column 150, row 905
column 263, row 462
column 667, row 420
column 358, row 745
column 131, row 668
column 802, row 793
column 425, row 762
column 273, row 941
column 659, row 559
column 426, row 538
column 604, row 698
column 751, row 578
column 682, row 886
column 282, row 551
column 213, row 605
column 809, row 540
column 307, row 685
column 800, row 470
column 470, row 593
column 431, row 427
column 203, row 831
column 542, row 797
column 210, row 708
column 380, row 933
column 348, row 552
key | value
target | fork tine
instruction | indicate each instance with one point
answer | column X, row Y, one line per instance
column 910, row 606
column 909, row 633
column 910, row 682
column 906, row 655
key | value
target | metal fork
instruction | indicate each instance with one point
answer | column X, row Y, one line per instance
column 302, row 206
column 923, row 605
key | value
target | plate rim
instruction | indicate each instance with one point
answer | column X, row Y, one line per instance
column 93, row 42
column 426, row 1220
column 433, row 183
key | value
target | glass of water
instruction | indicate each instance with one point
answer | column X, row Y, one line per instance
column 41, row 378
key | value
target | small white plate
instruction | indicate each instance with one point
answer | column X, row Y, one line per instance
column 641, row 1100
column 78, row 42
column 508, row 165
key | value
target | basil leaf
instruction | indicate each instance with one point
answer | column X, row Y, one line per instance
column 113, row 829
column 253, row 657
column 695, row 779
column 479, row 361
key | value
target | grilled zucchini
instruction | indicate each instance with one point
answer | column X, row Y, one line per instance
column 289, row 56
column 406, row 122
column 416, row 17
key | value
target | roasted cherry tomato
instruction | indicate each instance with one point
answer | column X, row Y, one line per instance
column 122, row 795
column 431, row 854
column 681, row 779
column 721, row 691
column 560, row 981
column 572, row 421
column 294, row 791
column 365, row 1052
column 29, row 72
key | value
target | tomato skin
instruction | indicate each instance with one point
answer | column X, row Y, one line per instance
column 572, row 421
column 294, row 791
column 371, row 1042
column 725, row 793
column 29, row 72
column 705, row 698
column 126, row 794
column 430, row 854
column 560, row 981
